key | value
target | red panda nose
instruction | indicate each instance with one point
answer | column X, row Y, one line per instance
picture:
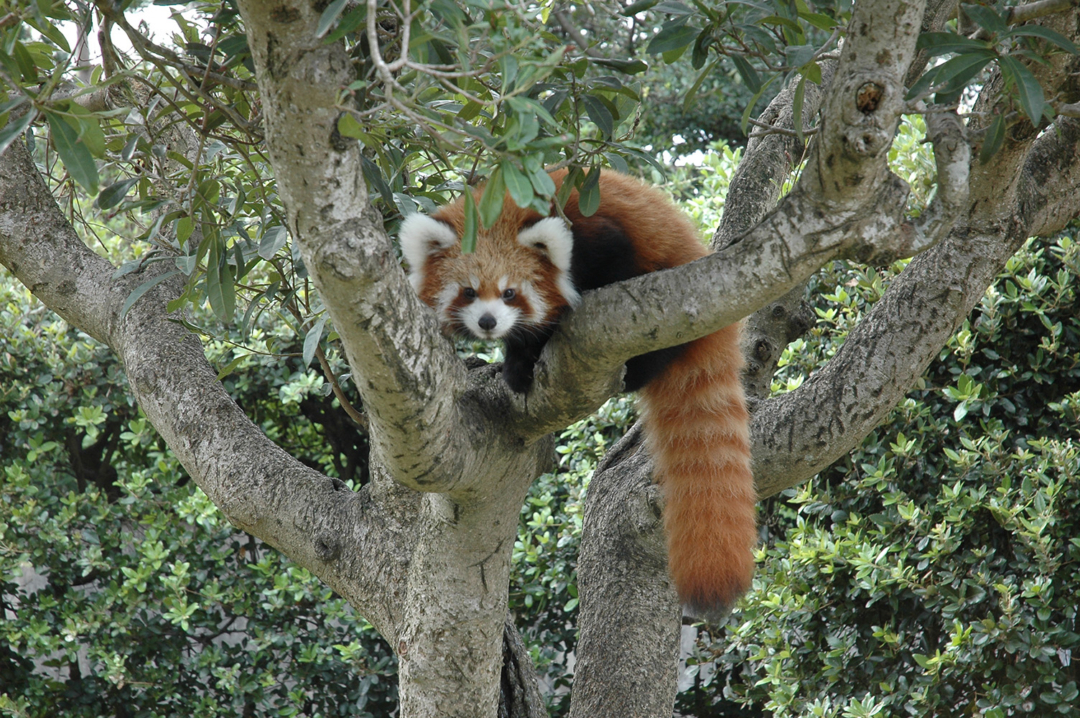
column 487, row 322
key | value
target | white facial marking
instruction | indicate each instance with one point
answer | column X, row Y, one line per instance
column 505, row 318
column 420, row 236
column 443, row 300
column 536, row 302
column 556, row 237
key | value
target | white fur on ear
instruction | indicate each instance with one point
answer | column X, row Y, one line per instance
column 552, row 237
column 421, row 236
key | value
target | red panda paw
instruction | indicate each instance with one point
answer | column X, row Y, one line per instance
column 518, row 376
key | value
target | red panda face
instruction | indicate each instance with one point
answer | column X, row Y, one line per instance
column 516, row 279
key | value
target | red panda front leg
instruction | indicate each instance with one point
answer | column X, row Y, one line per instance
column 521, row 352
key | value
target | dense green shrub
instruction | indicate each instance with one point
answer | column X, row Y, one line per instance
column 147, row 603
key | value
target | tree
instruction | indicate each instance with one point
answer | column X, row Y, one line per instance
column 422, row 550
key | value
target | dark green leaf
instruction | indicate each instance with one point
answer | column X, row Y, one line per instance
column 1047, row 34
column 143, row 289
column 219, row 283
column 491, row 202
column 747, row 72
column 939, row 43
column 74, row 154
column 673, row 36
column 311, row 340
column 599, row 114
column 539, row 177
column 469, row 111
column 468, row 237
column 374, row 176
column 15, row 128
column 691, row 94
column 630, row 67
column 114, row 194
column 995, row 136
column 273, row 239
column 799, row 55
column 987, row 18
column 821, row 22
column 519, row 186
column 329, row 16
column 589, row 193
column 1028, row 88
column 672, row 7
column 955, row 73
column 639, row 6
column 26, row 63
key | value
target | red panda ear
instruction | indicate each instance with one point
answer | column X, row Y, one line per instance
column 551, row 237
column 421, row 236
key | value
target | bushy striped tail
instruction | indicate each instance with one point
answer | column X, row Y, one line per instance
column 697, row 432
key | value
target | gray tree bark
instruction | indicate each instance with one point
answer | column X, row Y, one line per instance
column 424, row 550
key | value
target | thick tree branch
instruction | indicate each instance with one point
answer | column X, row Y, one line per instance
column 799, row 434
column 338, row 535
column 406, row 373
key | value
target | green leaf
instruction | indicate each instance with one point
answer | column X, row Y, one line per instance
column 329, row 16
column 273, row 239
column 373, row 176
column 995, row 136
column 26, row 63
column 630, row 67
column 955, row 73
column 491, row 202
column 747, row 72
column 987, row 18
column 219, row 283
column 231, row 366
column 639, row 6
column 821, row 22
column 114, row 194
column 468, row 236
column 521, row 189
column 939, row 43
column 589, row 193
column 15, row 129
column 73, row 153
column 311, row 341
column 1047, row 34
column 692, row 92
column 50, row 31
column 599, row 114
column 1028, row 88
column 142, row 289
column 672, row 37
column 469, row 111
column 348, row 126
column 539, row 177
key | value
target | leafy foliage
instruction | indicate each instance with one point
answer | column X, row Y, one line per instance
column 123, row 589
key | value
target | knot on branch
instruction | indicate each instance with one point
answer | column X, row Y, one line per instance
column 869, row 97
column 327, row 547
column 870, row 104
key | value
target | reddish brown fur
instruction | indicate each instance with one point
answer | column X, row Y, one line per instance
column 498, row 254
column 695, row 412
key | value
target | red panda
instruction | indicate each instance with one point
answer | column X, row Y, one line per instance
column 527, row 272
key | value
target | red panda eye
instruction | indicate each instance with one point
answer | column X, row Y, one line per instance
column 509, row 294
column 469, row 292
